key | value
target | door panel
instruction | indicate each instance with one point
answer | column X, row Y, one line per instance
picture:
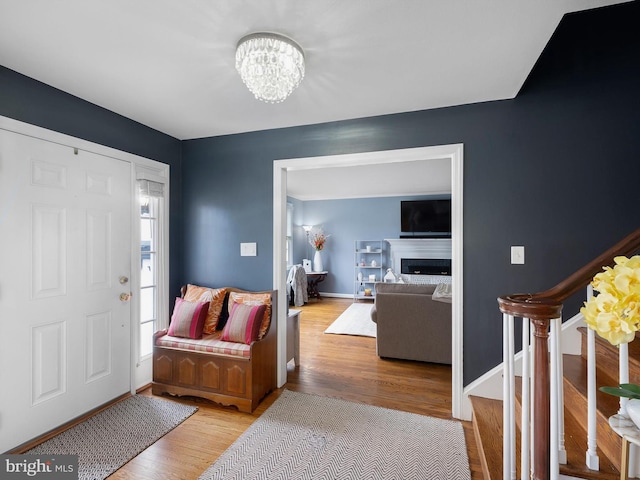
column 49, row 354
column 48, row 252
column 65, row 223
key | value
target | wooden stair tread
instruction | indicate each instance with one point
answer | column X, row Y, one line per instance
column 575, row 371
column 487, row 428
column 487, row 425
column 575, row 442
column 607, row 355
column 575, row 398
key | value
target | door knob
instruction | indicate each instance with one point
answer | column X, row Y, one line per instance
column 123, row 280
column 125, row 297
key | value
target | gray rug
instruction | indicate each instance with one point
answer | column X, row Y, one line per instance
column 109, row 439
column 355, row 320
column 305, row 436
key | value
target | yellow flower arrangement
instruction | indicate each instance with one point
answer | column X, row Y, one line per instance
column 615, row 312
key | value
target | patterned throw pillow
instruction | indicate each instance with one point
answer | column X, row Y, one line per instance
column 244, row 323
column 188, row 319
column 215, row 297
column 248, row 298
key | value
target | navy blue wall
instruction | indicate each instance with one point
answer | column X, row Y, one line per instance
column 553, row 170
column 346, row 221
column 30, row 101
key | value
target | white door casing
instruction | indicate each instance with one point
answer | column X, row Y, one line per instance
column 65, row 223
column 453, row 152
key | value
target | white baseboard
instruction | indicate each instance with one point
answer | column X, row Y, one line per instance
column 336, row 295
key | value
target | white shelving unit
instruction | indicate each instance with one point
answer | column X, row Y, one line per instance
column 369, row 258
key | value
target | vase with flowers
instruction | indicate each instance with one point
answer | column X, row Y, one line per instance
column 614, row 314
column 317, row 239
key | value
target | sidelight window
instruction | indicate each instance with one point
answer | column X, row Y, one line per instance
column 151, row 204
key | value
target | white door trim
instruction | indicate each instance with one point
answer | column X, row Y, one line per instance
column 453, row 152
column 146, row 168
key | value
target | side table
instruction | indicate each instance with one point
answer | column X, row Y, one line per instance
column 313, row 279
column 623, row 426
column 293, row 337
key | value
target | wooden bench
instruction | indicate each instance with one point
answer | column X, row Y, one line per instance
column 226, row 378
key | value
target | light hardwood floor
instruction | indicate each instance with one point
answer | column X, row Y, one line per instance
column 331, row 365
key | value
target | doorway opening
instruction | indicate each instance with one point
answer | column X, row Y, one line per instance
column 452, row 152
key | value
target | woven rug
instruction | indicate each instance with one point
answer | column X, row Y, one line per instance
column 109, row 439
column 304, row 436
column 355, row 320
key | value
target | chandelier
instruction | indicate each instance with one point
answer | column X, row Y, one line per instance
column 271, row 65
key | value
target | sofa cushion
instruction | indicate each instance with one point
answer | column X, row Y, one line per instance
column 442, row 293
column 215, row 297
column 188, row 318
column 413, row 288
column 207, row 344
column 244, row 323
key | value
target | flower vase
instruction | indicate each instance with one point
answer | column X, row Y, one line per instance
column 317, row 262
column 633, row 411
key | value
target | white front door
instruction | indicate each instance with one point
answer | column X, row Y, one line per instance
column 65, row 246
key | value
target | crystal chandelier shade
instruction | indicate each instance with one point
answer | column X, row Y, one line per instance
column 271, row 65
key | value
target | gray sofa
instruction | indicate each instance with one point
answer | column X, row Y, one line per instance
column 410, row 324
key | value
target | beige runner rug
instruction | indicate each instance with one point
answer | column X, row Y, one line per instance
column 304, row 436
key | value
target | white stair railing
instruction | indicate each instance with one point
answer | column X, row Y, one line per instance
column 556, row 425
column 542, row 310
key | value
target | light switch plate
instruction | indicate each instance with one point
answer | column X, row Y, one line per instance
column 517, row 255
column 248, row 249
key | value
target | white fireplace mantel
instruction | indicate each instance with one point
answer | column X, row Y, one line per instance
column 417, row 248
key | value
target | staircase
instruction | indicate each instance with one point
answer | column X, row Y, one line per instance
column 487, row 416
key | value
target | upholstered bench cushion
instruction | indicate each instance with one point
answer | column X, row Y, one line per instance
column 208, row 344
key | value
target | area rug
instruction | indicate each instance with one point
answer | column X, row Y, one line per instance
column 306, row 437
column 109, row 439
column 355, row 320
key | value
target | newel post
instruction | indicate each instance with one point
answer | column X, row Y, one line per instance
column 541, row 401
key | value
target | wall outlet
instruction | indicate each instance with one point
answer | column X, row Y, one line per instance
column 248, row 249
column 517, row 255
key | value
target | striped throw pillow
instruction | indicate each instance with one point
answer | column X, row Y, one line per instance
column 188, row 319
column 255, row 298
column 244, row 323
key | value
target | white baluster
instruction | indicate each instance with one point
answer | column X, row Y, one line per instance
column 553, row 398
column 508, row 408
column 526, row 400
column 562, row 452
column 633, row 461
column 592, row 459
column 623, row 352
column 512, row 398
column 533, row 410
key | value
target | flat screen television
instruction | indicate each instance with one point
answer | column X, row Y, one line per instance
column 423, row 218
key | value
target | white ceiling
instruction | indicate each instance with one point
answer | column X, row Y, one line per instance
column 170, row 65
column 379, row 180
